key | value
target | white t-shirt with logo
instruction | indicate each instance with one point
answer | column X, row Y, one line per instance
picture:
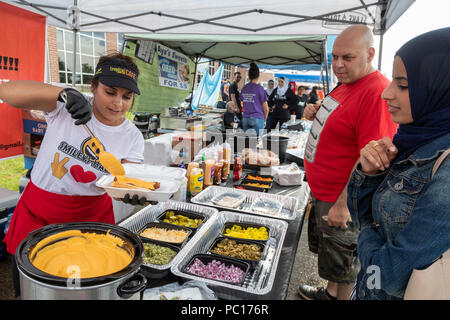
column 67, row 165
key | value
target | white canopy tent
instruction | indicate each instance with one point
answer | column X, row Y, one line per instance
column 283, row 17
column 231, row 17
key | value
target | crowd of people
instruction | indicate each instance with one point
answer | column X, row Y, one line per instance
column 261, row 108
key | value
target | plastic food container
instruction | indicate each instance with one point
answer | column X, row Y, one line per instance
column 237, row 197
column 167, row 188
column 252, row 262
column 244, row 226
column 208, row 258
column 267, row 206
column 167, row 226
column 190, row 215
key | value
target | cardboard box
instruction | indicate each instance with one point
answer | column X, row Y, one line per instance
column 189, row 142
column 34, row 127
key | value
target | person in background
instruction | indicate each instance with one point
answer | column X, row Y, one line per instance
column 234, row 90
column 63, row 187
column 313, row 97
column 254, row 101
column 224, row 90
column 269, row 90
column 282, row 100
column 232, row 117
column 348, row 118
column 302, row 99
column 402, row 211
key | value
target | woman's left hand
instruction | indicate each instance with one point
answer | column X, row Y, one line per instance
column 377, row 155
column 134, row 200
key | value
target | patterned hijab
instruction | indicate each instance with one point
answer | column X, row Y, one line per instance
column 427, row 62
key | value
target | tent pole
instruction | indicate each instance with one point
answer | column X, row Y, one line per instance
column 380, row 54
column 325, row 59
column 74, row 70
column 193, row 82
column 75, row 23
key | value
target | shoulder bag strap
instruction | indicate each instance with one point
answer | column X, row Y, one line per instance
column 439, row 162
column 436, row 166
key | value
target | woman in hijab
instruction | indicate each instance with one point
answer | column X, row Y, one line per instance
column 283, row 101
column 402, row 212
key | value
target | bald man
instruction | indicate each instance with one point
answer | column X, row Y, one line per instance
column 347, row 119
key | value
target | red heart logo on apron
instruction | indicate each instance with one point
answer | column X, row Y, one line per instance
column 82, row 176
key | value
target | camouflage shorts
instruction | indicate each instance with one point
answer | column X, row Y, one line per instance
column 335, row 247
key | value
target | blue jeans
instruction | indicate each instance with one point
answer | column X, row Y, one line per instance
column 256, row 124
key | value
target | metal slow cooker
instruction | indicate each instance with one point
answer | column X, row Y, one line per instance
column 35, row 284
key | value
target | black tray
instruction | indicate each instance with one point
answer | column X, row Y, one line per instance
column 188, row 214
column 259, row 175
column 244, row 225
column 252, row 263
column 154, row 273
column 164, row 225
column 238, row 186
column 244, row 181
column 207, row 258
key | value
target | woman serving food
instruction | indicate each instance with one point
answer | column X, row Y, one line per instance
column 72, row 158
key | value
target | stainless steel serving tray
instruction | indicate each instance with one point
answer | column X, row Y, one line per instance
column 150, row 214
column 258, row 281
column 288, row 212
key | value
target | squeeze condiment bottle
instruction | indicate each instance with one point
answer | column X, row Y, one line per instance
column 209, row 173
column 203, row 163
column 293, row 118
column 191, row 166
column 225, row 170
column 237, row 167
column 218, row 173
column 196, row 181
column 226, row 148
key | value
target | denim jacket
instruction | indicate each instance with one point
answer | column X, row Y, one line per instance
column 404, row 218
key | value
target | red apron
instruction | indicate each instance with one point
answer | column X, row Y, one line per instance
column 37, row 208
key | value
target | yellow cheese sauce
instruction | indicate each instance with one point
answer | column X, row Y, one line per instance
column 81, row 255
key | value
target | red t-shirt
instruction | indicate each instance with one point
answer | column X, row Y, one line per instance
column 350, row 117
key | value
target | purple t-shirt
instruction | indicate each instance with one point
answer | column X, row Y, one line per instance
column 253, row 96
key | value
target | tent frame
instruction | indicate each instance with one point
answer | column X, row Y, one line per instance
column 213, row 20
column 384, row 4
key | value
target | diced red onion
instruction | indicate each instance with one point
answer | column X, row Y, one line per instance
column 217, row 270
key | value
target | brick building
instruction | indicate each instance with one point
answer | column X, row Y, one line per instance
column 92, row 45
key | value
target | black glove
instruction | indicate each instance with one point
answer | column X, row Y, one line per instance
column 76, row 105
column 134, row 200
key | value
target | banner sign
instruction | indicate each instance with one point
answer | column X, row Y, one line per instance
column 173, row 68
column 208, row 89
column 145, row 50
column 22, row 57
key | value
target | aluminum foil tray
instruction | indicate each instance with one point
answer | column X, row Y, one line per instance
column 288, row 211
column 258, row 281
column 151, row 213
